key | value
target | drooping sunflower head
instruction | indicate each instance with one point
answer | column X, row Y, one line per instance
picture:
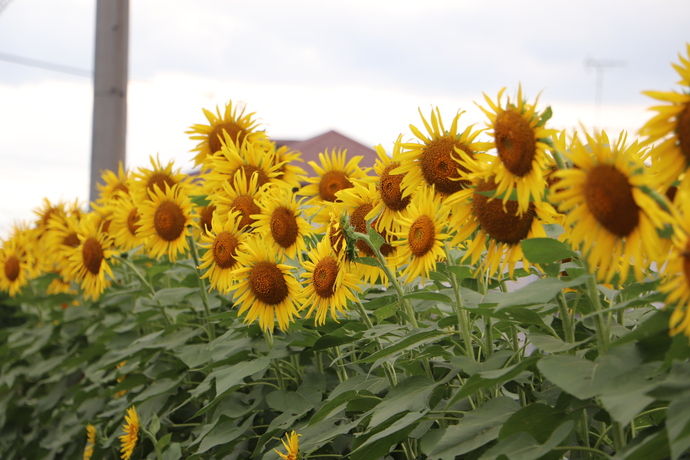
column 328, row 284
column 265, row 288
column 164, row 222
column 521, row 141
column 669, row 129
column 281, row 223
column 608, row 210
column 233, row 123
column 421, row 236
column 291, row 444
column 334, row 173
column 89, row 262
column 114, row 185
column 390, row 203
column 288, row 170
column 242, row 195
column 221, row 243
column 128, row 441
column 147, row 180
column 431, row 160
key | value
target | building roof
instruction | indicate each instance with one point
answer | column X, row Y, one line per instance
column 310, row 149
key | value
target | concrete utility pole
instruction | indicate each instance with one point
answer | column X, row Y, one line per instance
column 109, row 136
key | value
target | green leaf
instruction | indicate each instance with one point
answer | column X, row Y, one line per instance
column 546, row 250
column 550, row 344
column 475, row 429
column 228, row 377
column 654, row 326
column 408, row 421
column 375, row 237
column 523, row 446
column 651, row 444
column 408, row 343
column 333, row 406
column 155, row 388
column 224, row 431
column 386, row 312
column 412, row 394
column 162, row 442
column 429, row 295
column 539, row 420
column 625, row 396
column 539, row 291
column 678, row 426
column 381, row 446
column 579, row 377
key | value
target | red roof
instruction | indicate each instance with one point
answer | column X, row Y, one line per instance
column 310, row 149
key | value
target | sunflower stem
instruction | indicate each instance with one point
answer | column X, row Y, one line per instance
column 202, row 289
column 584, row 433
column 463, row 323
column 137, row 273
column 159, row 453
column 387, row 367
column 565, row 317
column 618, row 436
column 602, row 330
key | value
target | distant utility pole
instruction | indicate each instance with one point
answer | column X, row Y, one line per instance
column 600, row 65
column 108, row 141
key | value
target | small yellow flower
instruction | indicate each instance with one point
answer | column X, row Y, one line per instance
column 90, row 441
column 131, row 436
column 291, row 444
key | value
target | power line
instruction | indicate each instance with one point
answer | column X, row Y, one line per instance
column 44, row 64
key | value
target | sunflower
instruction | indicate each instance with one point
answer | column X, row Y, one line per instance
column 291, row 444
column 16, row 260
column 521, row 140
column 124, row 226
column 288, row 171
column 250, row 158
column 390, row 204
column 88, row 262
column 328, row 285
column 265, row 288
column 609, row 213
column 421, row 236
column 360, row 201
column 146, row 180
column 59, row 239
column 487, row 224
column 221, row 243
column 240, row 195
column 46, row 212
column 90, row 441
column 671, row 127
column 164, row 222
column 128, row 441
column 432, row 162
column 333, row 174
column 114, row 186
column 280, row 220
column 232, row 122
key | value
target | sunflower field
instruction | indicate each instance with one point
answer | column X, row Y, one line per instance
column 500, row 292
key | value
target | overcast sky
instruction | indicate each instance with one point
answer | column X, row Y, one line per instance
column 362, row 68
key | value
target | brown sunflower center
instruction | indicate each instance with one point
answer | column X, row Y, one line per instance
column 120, row 188
column 439, row 166
column 504, row 226
column 389, row 188
column 247, row 206
column 267, row 283
column 683, row 130
column 159, row 179
column 422, row 235
column 235, row 132
column 359, row 223
column 132, row 221
column 225, row 249
column 12, row 268
column 250, row 170
column 332, row 182
column 206, row 218
column 284, row 227
column 610, row 199
column 169, row 221
column 515, row 142
column 92, row 255
column 71, row 240
column 323, row 279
